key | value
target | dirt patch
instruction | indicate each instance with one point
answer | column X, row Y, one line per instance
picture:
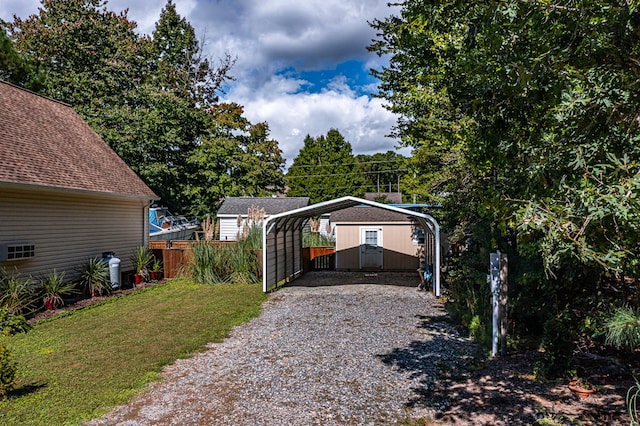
column 502, row 391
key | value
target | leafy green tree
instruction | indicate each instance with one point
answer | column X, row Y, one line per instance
column 92, row 55
column 527, row 95
column 523, row 116
column 154, row 101
column 179, row 64
column 324, row 169
column 237, row 158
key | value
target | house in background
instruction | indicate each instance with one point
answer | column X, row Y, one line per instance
column 65, row 196
column 234, row 211
column 371, row 238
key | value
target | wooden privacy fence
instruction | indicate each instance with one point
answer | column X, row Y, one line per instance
column 318, row 259
column 175, row 253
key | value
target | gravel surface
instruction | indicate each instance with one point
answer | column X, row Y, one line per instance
column 363, row 354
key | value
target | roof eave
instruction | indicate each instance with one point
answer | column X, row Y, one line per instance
column 50, row 188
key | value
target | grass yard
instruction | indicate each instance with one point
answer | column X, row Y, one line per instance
column 77, row 367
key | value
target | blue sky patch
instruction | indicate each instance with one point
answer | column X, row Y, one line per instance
column 357, row 77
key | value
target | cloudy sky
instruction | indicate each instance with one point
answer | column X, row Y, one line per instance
column 302, row 65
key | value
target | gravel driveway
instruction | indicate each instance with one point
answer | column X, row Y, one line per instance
column 351, row 354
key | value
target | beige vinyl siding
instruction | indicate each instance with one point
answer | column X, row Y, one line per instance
column 67, row 228
column 399, row 254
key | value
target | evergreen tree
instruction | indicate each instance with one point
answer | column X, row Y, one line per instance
column 324, row 169
column 18, row 69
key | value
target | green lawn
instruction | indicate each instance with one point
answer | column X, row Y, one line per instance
column 75, row 368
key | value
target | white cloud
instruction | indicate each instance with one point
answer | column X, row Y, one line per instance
column 291, row 116
column 270, row 36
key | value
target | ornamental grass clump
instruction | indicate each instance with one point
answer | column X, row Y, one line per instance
column 623, row 329
column 238, row 263
column 207, row 265
column 94, row 276
column 17, row 294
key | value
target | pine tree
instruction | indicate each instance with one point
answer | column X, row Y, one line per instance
column 324, row 169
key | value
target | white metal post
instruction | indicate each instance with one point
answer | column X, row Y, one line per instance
column 494, row 260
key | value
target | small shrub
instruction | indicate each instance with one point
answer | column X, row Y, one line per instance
column 54, row 287
column 478, row 332
column 94, row 275
column 141, row 259
column 11, row 323
column 622, row 329
column 17, row 294
column 557, row 342
column 8, row 369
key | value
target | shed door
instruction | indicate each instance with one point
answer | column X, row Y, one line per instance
column 371, row 248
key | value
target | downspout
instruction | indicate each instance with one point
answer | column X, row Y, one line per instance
column 145, row 228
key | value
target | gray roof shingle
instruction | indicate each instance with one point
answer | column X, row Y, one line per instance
column 271, row 205
column 46, row 143
column 367, row 214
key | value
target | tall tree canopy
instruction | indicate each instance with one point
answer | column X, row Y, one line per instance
column 534, row 105
column 152, row 99
column 324, row 169
column 382, row 171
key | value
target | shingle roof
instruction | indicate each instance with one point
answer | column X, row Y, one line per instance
column 367, row 214
column 46, row 143
column 271, row 205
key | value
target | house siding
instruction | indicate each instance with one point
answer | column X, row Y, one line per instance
column 67, row 228
column 399, row 253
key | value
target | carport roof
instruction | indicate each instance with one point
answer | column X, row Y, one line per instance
column 324, row 207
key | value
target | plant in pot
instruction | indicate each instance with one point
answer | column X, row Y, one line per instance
column 582, row 387
column 54, row 287
column 94, row 275
column 156, row 269
column 141, row 259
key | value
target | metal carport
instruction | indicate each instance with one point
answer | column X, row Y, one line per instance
column 282, row 239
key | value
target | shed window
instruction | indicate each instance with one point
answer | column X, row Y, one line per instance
column 371, row 238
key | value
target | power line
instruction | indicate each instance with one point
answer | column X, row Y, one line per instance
column 344, row 174
column 320, row 188
column 345, row 164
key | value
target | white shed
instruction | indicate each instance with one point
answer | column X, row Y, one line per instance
column 232, row 215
